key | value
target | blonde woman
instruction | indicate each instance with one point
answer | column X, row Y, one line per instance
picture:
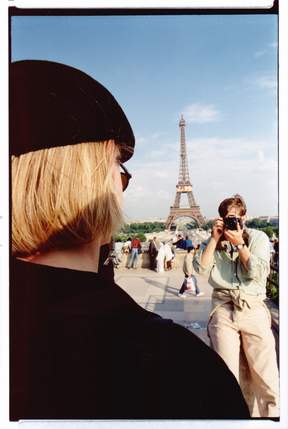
column 81, row 348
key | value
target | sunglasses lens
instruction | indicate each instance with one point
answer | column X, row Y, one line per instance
column 125, row 181
column 125, row 177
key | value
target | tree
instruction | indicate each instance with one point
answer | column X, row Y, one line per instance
column 121, row 237
column 145, row 227
column 141, row 237
column 207, row 225
column 257, row 223
column 269, row 231
column 124, row 237
column 263, row 225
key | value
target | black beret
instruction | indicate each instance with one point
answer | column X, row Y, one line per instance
column 52, row 104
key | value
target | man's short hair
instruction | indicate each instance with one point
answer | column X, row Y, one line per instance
column 227, row 204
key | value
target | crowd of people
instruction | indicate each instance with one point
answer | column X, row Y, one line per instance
column 161, row 257
column 161, row 253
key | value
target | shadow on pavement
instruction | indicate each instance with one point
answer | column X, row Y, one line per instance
column 160, row 285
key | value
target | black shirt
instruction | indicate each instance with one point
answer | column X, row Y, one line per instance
column 82, row 348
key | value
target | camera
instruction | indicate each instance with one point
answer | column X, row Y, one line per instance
column 230, row 222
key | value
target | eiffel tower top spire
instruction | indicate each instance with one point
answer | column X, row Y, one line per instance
column 184, row 170
column 182, row 121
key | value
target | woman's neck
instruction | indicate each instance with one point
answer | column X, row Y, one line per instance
column 81, row 258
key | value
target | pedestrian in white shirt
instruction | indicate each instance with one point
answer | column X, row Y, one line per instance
column 160, row 259
column 168, row 256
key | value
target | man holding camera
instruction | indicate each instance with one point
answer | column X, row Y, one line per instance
column 237, row 261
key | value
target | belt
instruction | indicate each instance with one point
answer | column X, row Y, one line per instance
column 239, row 298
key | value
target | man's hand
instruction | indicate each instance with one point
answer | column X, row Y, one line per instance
column 217, row 228
column 235, row 237
column 208, row 252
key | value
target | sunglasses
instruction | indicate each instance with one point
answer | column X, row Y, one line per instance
column 125, row 177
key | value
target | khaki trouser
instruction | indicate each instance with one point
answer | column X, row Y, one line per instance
column 247, row 327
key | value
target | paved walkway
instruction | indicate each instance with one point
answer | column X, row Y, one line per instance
column 158, row 292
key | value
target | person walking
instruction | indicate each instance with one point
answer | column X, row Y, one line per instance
column 135, row 250
column 189, row 275
column 80, row 347
column 237, row 260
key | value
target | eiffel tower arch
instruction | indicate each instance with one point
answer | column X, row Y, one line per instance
column 184, row 186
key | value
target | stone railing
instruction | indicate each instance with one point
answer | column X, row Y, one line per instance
column 144, row 261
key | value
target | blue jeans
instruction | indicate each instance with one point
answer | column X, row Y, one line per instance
column 184, row 285
column 133, row 258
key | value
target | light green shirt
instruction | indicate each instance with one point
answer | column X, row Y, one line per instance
column 188, row 264
column 227, row 272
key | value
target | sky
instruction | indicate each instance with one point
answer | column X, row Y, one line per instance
column 219, row 71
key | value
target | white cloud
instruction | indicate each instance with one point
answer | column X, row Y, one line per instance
column 140, row 140
column 201, row 113
column 218, row 167
column 157, row 135
column 266, row 82
column 146, row 139
column 229, row 166
column 160, row 173
column 261, row 157
column 163, row 194
column 273, row 45
column 157, row 153
column 259, row 54
column 267, row 50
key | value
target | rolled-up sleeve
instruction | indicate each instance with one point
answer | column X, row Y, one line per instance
column 259, row 261
column 197, row 260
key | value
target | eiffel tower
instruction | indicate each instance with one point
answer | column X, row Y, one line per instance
column 184, row 186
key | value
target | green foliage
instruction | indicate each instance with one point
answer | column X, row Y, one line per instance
column 269, row 230
column 145, row 227
column 273, row 288
column 192, row 225
column 273, row 292
column 141, row 237
column 124, row 237
column 121, row 237
column 267, row 227
column 207, row 225
column 257, row 223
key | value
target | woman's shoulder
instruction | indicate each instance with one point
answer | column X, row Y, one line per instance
column 169, row 337
column 167, row 346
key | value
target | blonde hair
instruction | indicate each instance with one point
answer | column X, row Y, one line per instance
column 63, row 197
